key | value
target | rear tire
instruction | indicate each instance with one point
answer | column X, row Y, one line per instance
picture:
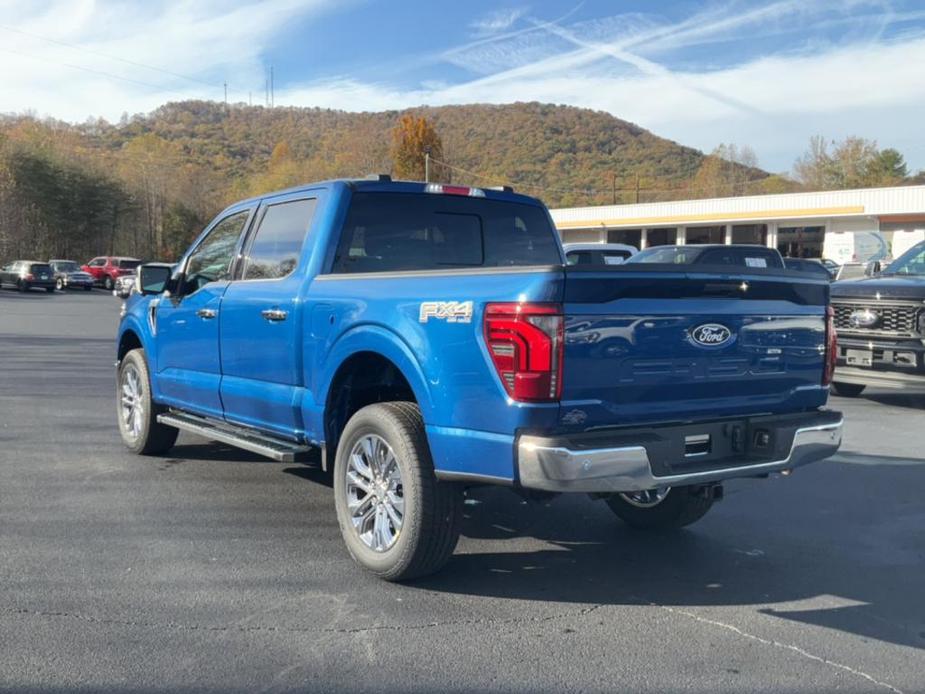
column 59, row 284
column 847, row 390
column 108, row 284
column 137, row 413
column 383, row 449
column 22, row 286
column 88, row 287
column 678, row 507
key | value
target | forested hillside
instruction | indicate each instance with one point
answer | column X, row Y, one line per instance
column 144, row 186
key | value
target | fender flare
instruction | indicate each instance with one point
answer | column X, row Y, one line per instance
column 384, row 342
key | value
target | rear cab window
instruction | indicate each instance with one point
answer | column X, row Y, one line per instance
column 615, row 257
column 580, row 258
column 37, row 268
column 751, row 257
column 392, row 232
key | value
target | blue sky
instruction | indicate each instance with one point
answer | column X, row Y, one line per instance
column 767, row 74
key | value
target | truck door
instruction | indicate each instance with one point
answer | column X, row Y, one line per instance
column 261, row 327
column 188, row 365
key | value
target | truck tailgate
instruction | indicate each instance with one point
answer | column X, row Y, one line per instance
column 660, row 344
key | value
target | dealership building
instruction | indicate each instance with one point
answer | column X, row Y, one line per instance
column 843, row 225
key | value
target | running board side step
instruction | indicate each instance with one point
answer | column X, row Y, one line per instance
column 256, row 442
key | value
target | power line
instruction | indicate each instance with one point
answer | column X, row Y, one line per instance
column 96, row 72
column 107, row 56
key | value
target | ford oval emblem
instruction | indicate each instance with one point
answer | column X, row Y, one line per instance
column 711, row 335
column 864, row 318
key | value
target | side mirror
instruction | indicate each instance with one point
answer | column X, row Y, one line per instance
column 152, row 279
column 872, row 268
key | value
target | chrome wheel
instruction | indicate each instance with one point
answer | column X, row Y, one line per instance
column 647, row 498
column 132, row 402
column 375, row 495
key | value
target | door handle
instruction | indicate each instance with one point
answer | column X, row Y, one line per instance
column 274, row 314
column 206, row 313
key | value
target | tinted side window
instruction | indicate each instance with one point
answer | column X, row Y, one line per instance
column 274, row 252
column 211, row 261
column 419, row 231
column 97, row 262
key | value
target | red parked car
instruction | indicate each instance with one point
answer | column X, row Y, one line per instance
column 107, row 269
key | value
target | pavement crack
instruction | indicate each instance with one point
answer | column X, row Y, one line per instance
column 781, row 645
column 238, row 628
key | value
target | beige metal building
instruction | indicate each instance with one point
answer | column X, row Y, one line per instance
column 844, row 225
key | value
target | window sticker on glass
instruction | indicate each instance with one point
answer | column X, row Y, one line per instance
column 756, row 262
column 613, row 260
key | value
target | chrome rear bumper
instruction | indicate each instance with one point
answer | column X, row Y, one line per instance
column 547, row 465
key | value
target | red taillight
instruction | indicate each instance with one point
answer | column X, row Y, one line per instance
column 28, row 277
column 525, row 342
column 831, row 346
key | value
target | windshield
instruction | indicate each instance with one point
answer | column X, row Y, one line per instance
column 912, row 262
column 66, row 266
column 129, row 264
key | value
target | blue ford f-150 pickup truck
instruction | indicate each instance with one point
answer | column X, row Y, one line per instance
column 429, row 337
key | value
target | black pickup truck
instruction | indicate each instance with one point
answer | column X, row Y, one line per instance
column 881, row 327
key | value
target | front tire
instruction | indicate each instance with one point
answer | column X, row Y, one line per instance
column 22, row 286
column 398, row 521
column 847, row 390
column 137, row 413
column 108, row 284
column 666, row 508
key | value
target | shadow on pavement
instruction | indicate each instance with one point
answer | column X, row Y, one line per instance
column 817, row 540
column 596, row 559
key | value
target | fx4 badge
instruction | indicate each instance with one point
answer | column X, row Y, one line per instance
column 450, row 311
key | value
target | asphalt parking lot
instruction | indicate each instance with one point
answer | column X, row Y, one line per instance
column 211, row 569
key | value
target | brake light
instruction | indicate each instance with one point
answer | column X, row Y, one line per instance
column 525, row 342
column 28, row 276
column 454, row 190
column 831, row 346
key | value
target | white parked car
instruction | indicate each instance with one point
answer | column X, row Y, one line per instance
column 598, row 253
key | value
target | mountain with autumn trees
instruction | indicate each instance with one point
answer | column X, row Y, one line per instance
column 146, row 185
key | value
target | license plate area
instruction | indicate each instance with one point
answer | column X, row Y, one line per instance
column 710, row 445
column 859, row 357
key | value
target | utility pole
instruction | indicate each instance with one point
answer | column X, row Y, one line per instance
column 427, row 165
column 272, row 93
column 614, row 187
column 266, row 86
column 637, row 188
column 226, row 96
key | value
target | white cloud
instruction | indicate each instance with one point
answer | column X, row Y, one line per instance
column 73, row 59
column 869, row 85
column 497, row 21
